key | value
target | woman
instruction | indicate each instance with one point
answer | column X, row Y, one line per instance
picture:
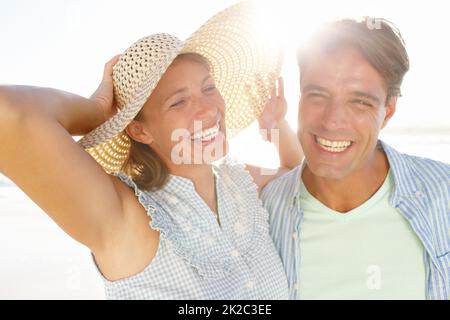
column 208, row 236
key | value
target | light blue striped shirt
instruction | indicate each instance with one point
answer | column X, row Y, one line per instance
column 421, row 194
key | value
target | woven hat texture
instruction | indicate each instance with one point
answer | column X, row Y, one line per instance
column 244, row 66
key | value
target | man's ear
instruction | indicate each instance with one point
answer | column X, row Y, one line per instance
column 138, row 132
column 391, row 106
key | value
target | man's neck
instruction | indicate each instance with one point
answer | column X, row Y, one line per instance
column 346, row 194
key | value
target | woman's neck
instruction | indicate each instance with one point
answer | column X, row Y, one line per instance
column 202, row 177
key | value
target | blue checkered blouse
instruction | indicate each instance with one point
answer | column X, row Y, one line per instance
column 199, row 259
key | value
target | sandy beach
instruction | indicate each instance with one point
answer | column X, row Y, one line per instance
column 38, row 260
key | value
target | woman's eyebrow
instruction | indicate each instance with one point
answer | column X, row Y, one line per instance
column 185, row 88
column 206, row 78
column 175, row 92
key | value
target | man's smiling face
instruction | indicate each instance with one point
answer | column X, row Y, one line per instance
column 342, row 110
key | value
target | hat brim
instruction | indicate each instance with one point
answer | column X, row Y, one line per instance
column 243, row 65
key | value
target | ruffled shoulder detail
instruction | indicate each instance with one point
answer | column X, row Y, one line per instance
column 142, row 196
column 245, row 192
column 186, row 238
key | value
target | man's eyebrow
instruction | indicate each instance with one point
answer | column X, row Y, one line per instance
column 185, row 88
column 313, row 87
column 360, row 94
column 366, row 95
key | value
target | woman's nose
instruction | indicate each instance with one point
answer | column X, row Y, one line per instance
column 204, row 109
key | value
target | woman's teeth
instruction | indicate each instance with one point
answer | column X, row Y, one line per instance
column 333, row 146
column 208, row 134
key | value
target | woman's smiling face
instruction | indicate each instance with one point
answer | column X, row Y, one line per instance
column 184, row 118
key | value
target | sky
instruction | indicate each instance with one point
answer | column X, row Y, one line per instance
column 64, row 44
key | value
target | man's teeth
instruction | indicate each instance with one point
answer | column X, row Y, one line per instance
column 333, row 146
column 207, row 134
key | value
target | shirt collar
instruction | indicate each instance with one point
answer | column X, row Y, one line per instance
column 179, row 186
column 298, row 181
column 178, row 183
column 405, row 185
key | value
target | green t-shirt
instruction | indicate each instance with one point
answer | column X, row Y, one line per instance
column 370, row 252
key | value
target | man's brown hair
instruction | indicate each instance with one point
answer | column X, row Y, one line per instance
column 378, row 40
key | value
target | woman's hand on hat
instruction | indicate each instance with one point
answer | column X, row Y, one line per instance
column 274, row 112
column 103, row 97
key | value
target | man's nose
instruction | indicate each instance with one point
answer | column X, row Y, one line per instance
column 335, row 115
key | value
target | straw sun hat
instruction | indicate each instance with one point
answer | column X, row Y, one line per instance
column 237, row 53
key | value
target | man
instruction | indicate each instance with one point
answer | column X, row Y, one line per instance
column 358, row 219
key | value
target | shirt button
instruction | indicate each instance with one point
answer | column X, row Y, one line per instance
column 227, row 179
column 294, row 235
column 210, row 240
column 187, row 226
column 296, row 286
column 239, row 227
column 250, row 284
column 235, row 253
column 418, row 194
column 172, row 200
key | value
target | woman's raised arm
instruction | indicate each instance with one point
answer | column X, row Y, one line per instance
column 276, row 129
column 38, row 153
